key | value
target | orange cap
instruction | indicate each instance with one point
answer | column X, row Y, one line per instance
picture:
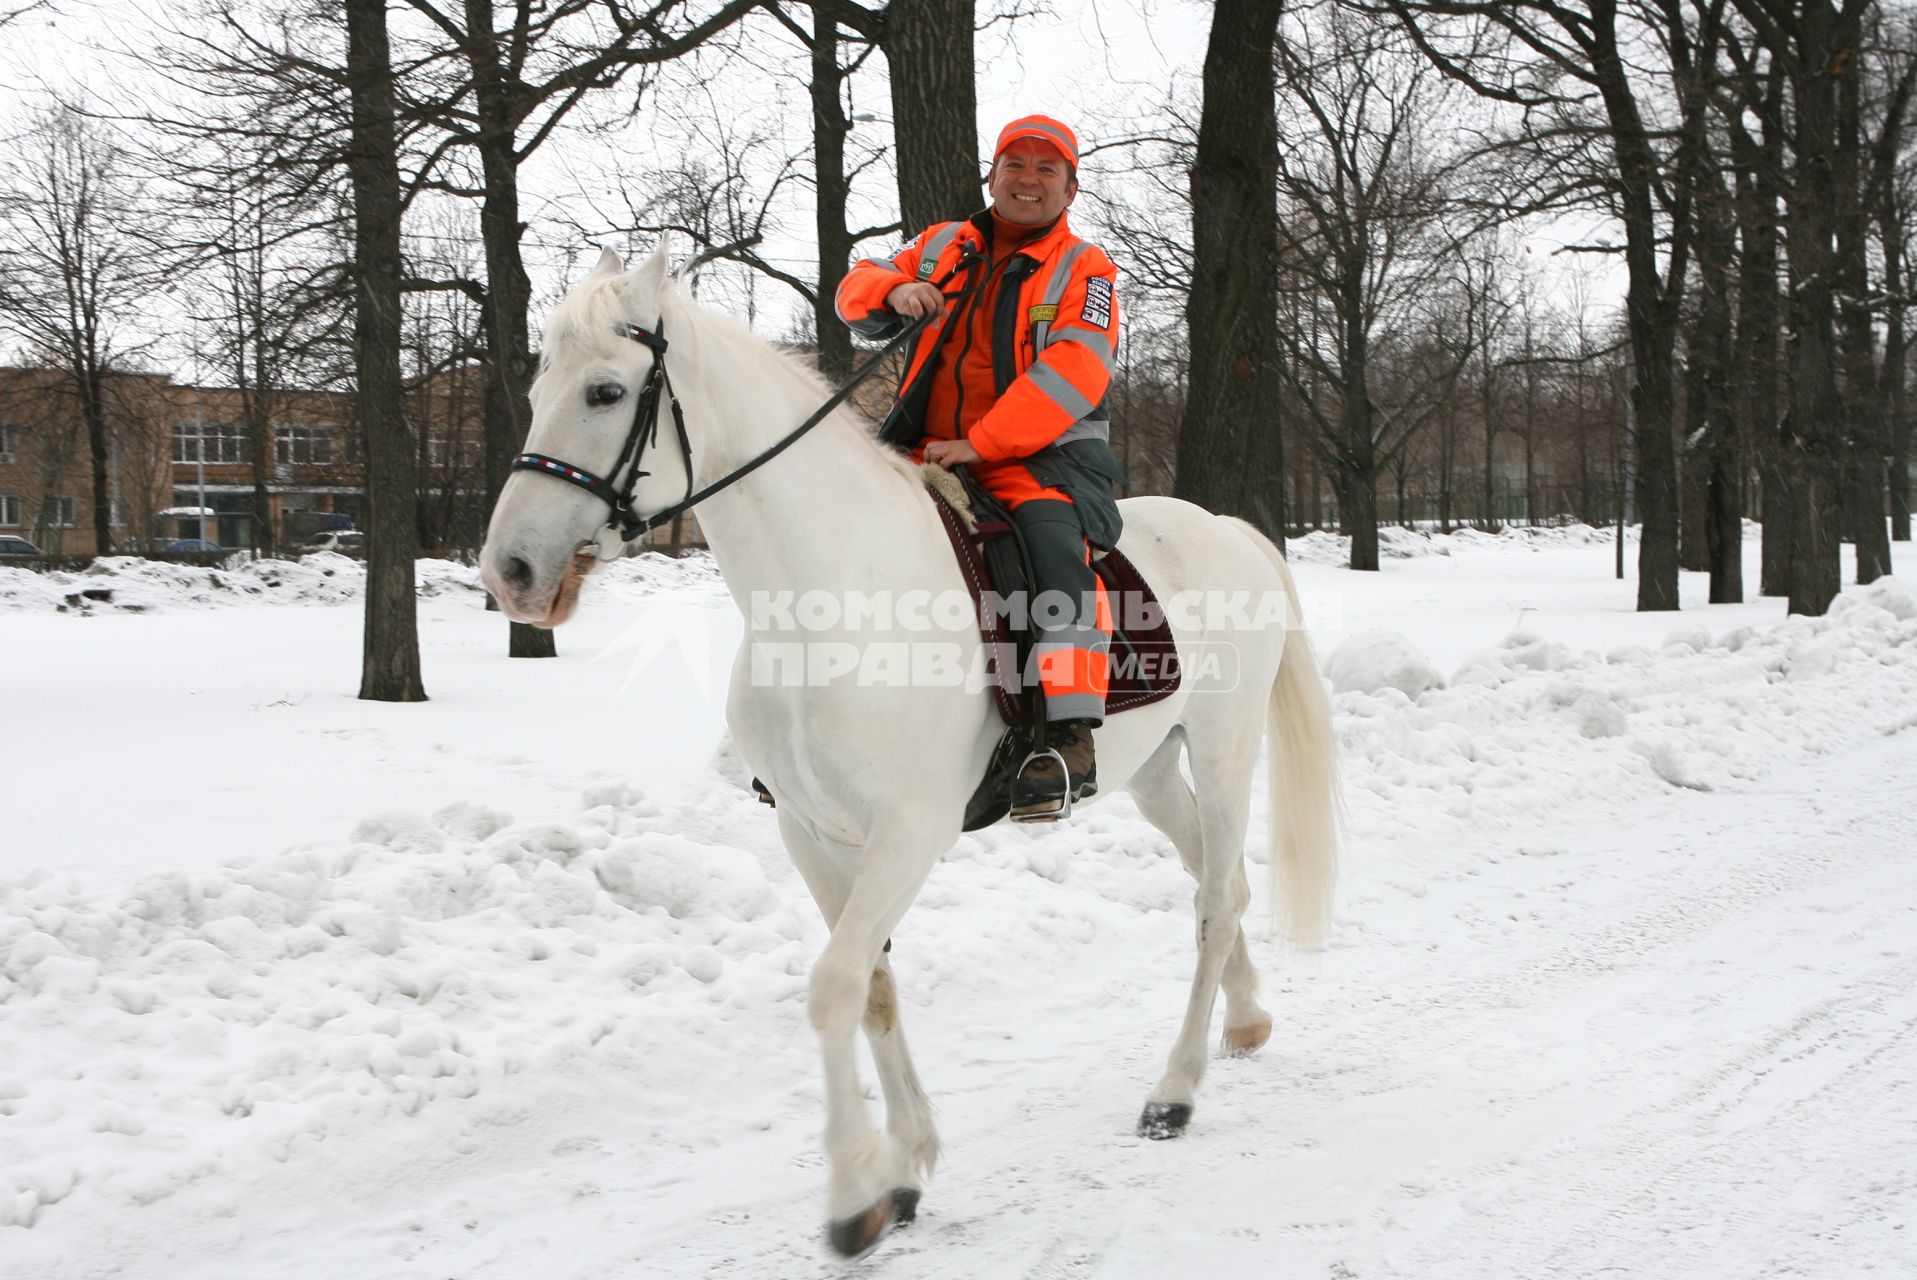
column 1045, row 129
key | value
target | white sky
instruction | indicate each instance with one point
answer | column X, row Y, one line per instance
column 1108, row 67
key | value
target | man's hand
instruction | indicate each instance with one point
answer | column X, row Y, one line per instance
column 915, row 300
column 951, row 453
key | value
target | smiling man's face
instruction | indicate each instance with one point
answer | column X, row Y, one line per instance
column 1030, row 183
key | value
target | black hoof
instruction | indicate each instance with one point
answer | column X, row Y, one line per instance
column 905, row 1205
column 854, row 1237
column 1162, row 1120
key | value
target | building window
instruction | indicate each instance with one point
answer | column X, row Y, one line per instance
column 9, row 511
column 312, row 446
column 58, row 513
column 9, row 444
column 221, row 442
column 452, row 451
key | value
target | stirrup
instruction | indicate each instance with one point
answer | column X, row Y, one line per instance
column 1034, row 812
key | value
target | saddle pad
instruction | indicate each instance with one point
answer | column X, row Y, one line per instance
column 1144, row 658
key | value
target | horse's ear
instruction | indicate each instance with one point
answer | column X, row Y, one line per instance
column 608, row 264
column 654, row 273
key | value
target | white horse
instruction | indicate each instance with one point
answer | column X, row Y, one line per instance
column 871, row 779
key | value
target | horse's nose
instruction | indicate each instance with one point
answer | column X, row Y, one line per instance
column 516, row 573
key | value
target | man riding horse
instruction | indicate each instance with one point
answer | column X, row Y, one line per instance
column 1011, row 383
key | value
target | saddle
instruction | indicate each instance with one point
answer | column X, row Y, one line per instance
column 991, row 555
column 992, row 558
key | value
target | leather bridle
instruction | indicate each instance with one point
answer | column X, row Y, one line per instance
column 627, row 523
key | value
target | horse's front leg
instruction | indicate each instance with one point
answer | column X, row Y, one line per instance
column 908, row 1111
column 864, row 893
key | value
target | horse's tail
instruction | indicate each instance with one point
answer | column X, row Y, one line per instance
column 1302, row 748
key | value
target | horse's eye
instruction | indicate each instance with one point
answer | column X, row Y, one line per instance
column 601, row 394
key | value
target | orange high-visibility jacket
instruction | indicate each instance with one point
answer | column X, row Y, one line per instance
column 1053, row 333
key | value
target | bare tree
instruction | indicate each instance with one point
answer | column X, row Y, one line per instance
column 14, row 10
column 390, row 662
column 1487, row 310
column 1361, row 233
column 1757, row 165
column 1572, row 67
column 1714, row 439
column 1895, row 223
column 1815, row 45
column 832, row 179
column 73, row 273
column 929, row 51
column 1230, row 451
column 272, row 321
column 1872, row 113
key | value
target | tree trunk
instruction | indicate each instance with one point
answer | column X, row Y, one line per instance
column 1358, row 476
column 260, row 454
column 928, row 49
column 1758, row 165
column 93, row 409
column 1864, row 469
column 832, row 189
column 390, row 659
column 1358, row 513
column 504, row 406
column 1488, row 405
column 1816, row 410
column 1230, row 448
column 1896, row 396
column 1713, row 422
column 1650, row 313
column 1694, row 467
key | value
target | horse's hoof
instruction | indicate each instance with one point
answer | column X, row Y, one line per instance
column 853, row 1237
column 1162, row 1120
column 1240, row 1041
column 905, row 1205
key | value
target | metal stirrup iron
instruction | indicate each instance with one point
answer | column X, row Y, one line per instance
column 1033, row 812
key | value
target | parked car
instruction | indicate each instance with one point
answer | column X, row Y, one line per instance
column 194, row 544
column 347, row 542
column 12, row 546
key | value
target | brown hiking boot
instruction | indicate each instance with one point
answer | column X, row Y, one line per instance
column 1039, row 789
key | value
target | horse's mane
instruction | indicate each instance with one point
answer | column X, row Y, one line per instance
column 587, row 319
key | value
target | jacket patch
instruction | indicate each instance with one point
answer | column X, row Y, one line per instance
column 1098, row 302
column 1043, row 313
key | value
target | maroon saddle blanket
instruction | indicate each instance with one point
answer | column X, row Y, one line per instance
column 1144, row 658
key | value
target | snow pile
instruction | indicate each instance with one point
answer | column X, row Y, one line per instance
column 130, row 584
column 135, row 585
column 1398, row 543
column 203, row 1023
column 694, row 575
column 1376, row 660
column 1519, row 652
column 1528, row 729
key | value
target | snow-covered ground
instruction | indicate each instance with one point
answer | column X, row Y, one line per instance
column 510, row 983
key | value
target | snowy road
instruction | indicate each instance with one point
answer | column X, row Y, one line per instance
column 1679, row 1047
column 1623, row 984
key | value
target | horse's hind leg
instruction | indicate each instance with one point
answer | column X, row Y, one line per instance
column 1166, row 801
column 1222, row 757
